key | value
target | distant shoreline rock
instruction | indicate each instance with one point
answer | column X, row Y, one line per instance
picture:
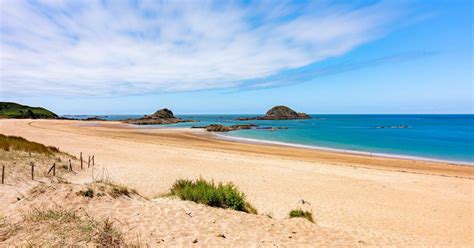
column 272, row 128
column 94, row 118
column 222, row 128
column 160, row 117
column 278, row 113
column 393, row 127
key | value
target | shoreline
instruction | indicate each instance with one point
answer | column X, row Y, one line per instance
column 343, row 151
column 265, row 143
column 200, row 139
column 309, row 146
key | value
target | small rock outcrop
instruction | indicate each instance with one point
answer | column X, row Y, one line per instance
column 272, row 128
column 222, row 128
column 162, row 116
column 279, row 113
column 394, row 127
column 94, row 118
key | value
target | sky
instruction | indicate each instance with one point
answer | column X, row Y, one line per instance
column 229, row 57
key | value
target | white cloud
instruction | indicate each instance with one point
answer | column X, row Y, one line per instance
column 120, row 48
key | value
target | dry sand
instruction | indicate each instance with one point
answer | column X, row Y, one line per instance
column 360, row 199
column 160, row 222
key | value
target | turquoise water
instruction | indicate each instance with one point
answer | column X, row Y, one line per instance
column 441, row 137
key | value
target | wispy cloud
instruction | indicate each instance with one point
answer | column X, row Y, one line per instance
column 111, row 48
column 315, row 70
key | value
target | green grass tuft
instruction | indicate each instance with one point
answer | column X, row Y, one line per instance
column 298, row 213
column 220, row 195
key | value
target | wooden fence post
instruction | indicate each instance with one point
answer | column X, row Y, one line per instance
column 53, row 168
column 70, row 165
column 3, row 174
column 93, row 160
column 81, row 160
column 89, row 161
column 32, row 171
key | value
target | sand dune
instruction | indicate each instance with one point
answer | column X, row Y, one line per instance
column 169, row 222
column 355, row 199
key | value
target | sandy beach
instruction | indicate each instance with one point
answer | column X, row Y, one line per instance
column 355, row 199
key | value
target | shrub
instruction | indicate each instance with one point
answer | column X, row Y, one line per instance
column 298, row 213
column 221, row 195
column 88, row 193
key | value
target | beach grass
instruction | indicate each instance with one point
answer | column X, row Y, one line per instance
column 66, row 227
column 15, row 143
column 299, row 213
column 38, row 215
column 115, row 190
column 211, row 194
column 18, row 162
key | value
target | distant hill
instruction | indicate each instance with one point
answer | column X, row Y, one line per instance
column 11, row 110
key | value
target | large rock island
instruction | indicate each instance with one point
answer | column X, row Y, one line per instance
column 279, row 113
column 162, row 116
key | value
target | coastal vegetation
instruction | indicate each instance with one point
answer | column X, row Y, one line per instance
column 11, row 110
column 211, row 194
column 114, row 189
column 117, row 190
column 18, row 156
column 66, row 226
column 299, row 213
column 87, row 193
column 15, row 143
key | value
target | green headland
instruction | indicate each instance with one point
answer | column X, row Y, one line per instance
column 11, row 110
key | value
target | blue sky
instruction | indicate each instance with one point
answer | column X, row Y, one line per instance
column 133, row 57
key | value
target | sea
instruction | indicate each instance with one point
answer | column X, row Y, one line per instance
column 429, row 137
